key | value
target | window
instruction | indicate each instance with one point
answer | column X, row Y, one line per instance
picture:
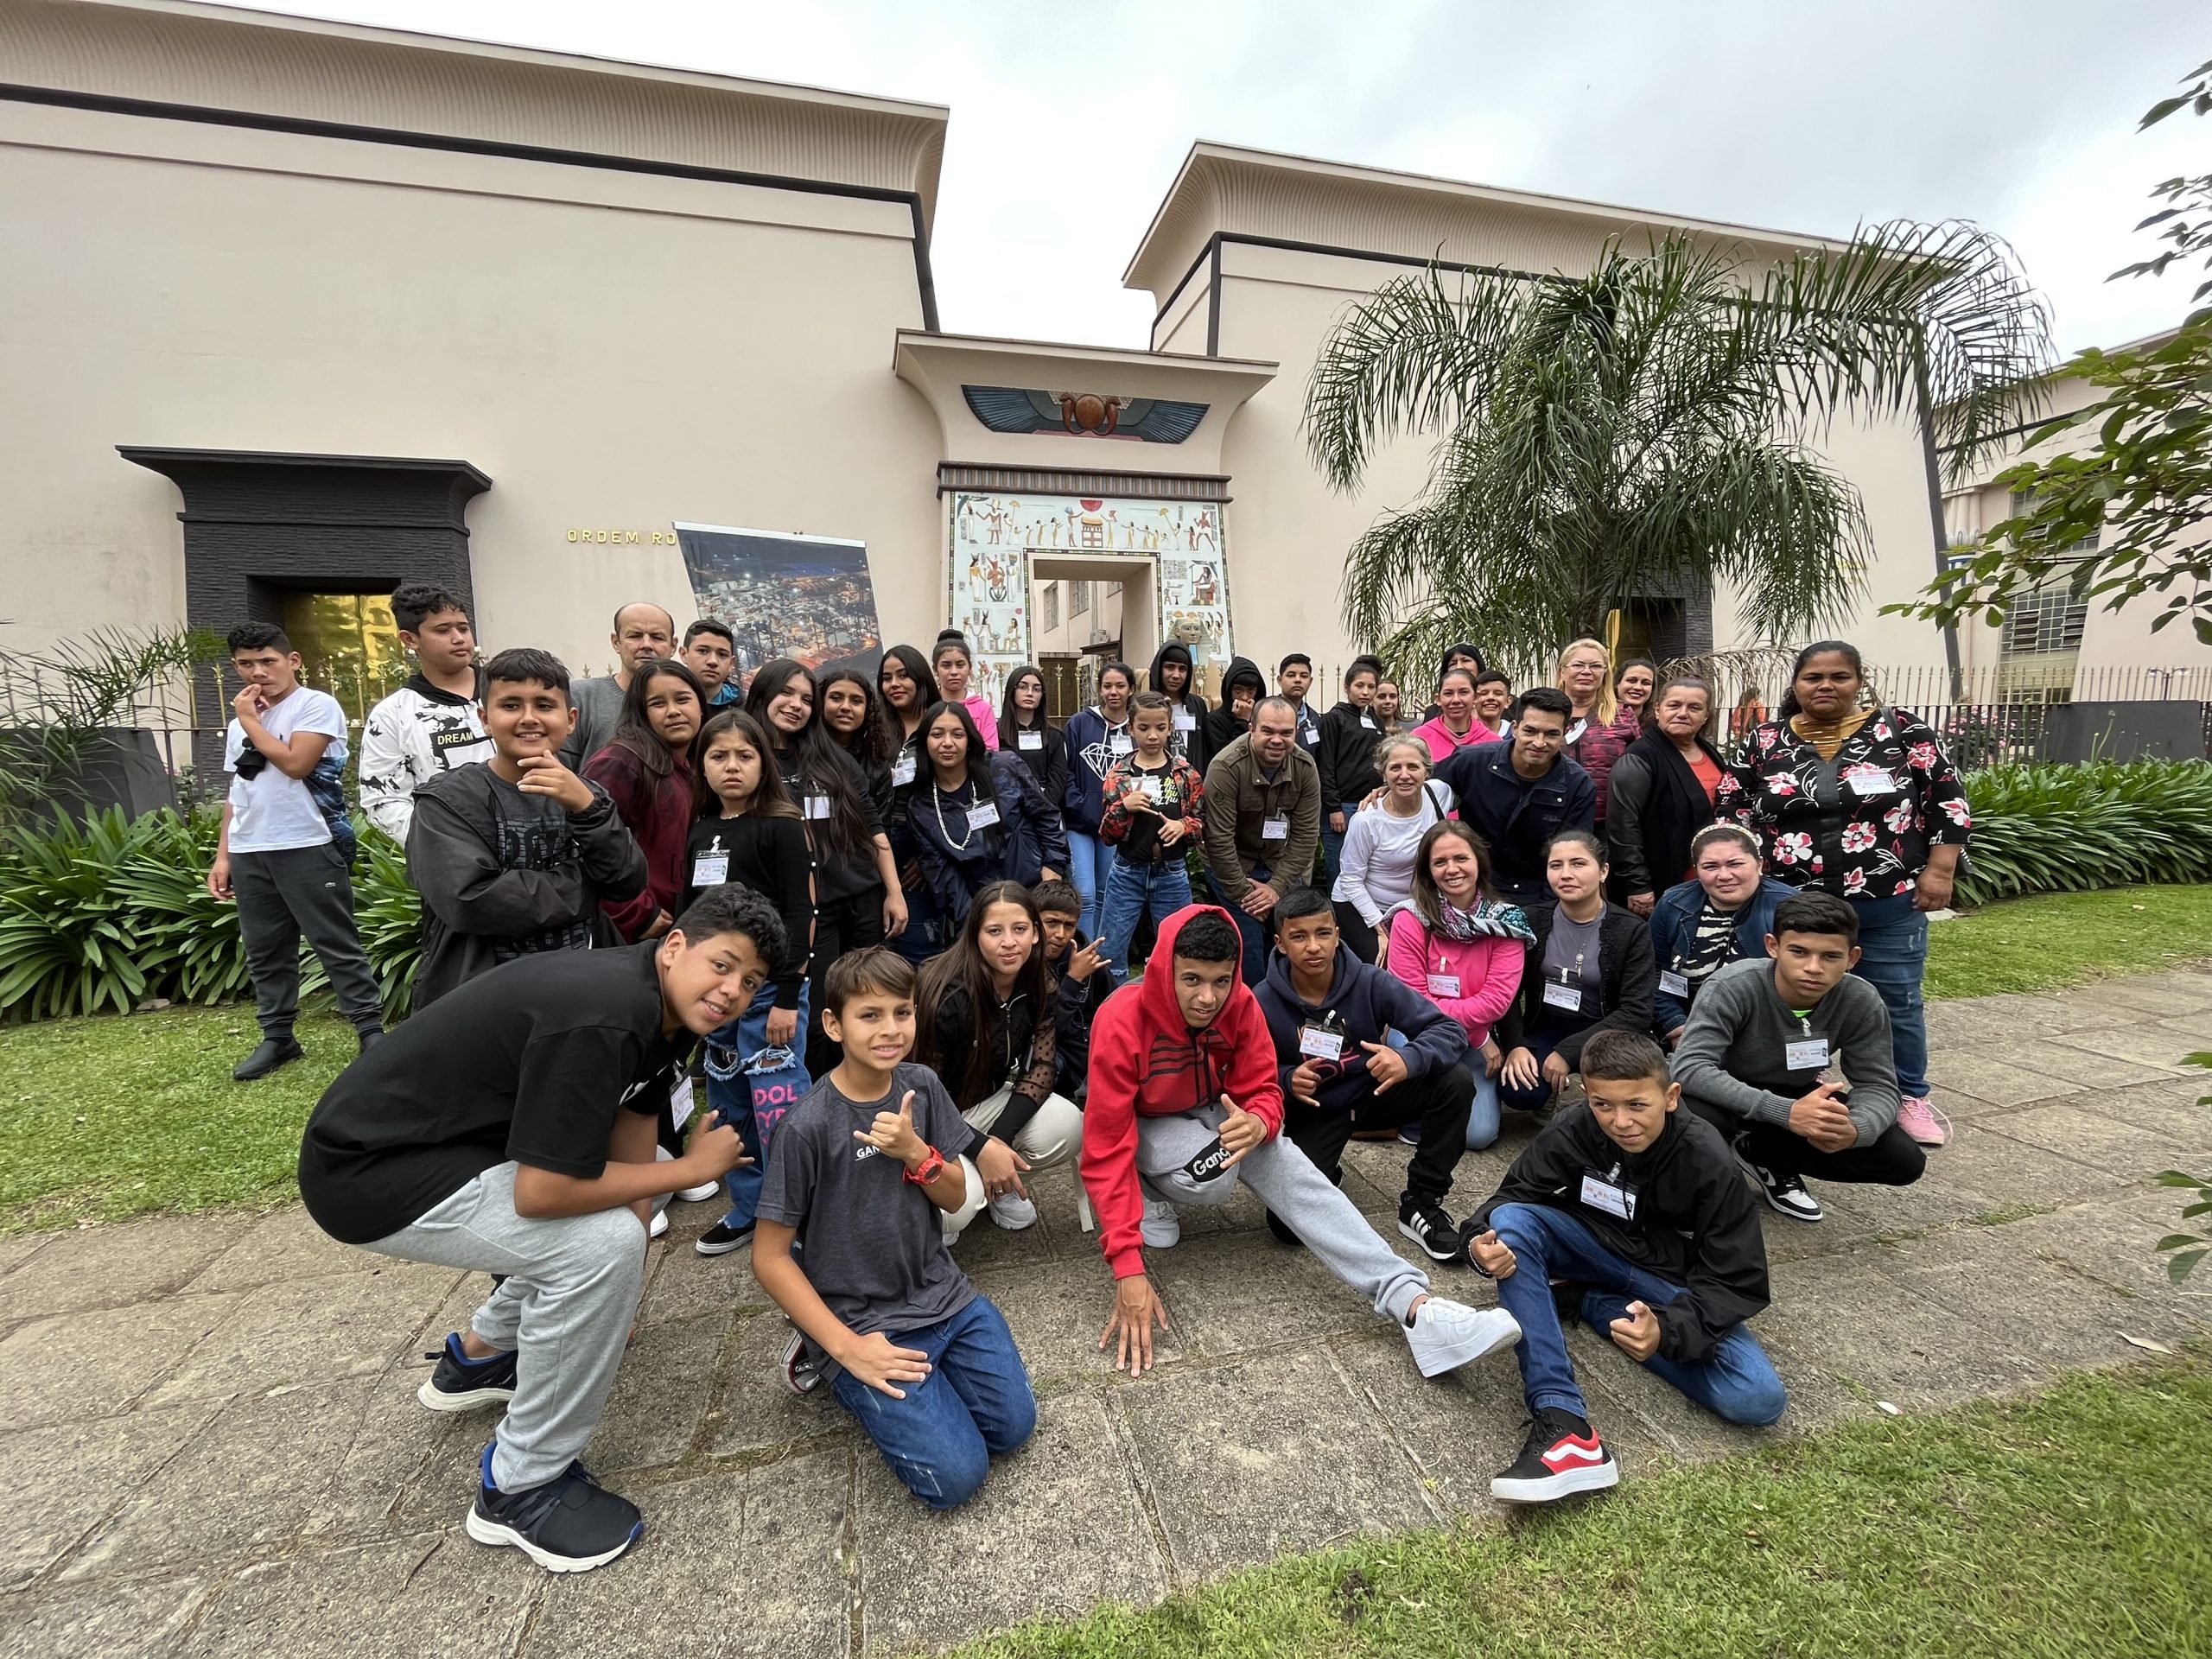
column 1052, row 606
column 2051, row 620
column 1078, row 598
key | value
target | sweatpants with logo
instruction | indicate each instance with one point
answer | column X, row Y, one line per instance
column 282, row 895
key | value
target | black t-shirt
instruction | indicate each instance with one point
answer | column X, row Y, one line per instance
column 528, row 1063
column 770, row 856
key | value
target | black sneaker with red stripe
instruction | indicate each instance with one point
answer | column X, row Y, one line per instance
column 1563, row 1456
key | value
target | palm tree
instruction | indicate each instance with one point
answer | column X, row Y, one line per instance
column 1646, row 431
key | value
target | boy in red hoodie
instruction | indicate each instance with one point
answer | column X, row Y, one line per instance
column 1183, row 1104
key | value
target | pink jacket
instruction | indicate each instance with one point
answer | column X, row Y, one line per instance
column 1438, row 736
column 1489, row 971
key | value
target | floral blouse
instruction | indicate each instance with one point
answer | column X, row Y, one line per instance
column 1860, row 826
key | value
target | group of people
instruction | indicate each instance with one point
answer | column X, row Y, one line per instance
column 918, row 948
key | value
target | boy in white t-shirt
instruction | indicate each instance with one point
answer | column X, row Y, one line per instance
column 287, row 847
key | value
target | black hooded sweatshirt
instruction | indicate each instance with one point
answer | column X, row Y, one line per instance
column 1192, row 745
column 1694, row 1223
column 1221, row 727
column 1350, row 737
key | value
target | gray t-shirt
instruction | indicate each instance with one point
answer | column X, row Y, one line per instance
column 599, row 705
column 871, row 1242
column 1571, row 958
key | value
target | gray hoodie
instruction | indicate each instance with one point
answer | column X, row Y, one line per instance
column 1733, row 1050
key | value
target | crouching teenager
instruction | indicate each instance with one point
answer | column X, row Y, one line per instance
column 851, row 1245
column 510, row 1128
column 1633, row 1213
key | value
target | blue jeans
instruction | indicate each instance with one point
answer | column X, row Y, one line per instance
column 1252, row 932
column 1482, row 1113
column 735, row 1050
column 1893, row 947
column 1737, row 1384
column 1164, row 887
column 975, row 1401
column 1089, row 860
column 1539, row 1043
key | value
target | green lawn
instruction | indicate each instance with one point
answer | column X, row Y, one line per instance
column 2056, row 939
column 2030, row 1529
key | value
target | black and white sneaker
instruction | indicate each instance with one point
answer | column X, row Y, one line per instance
column 570, row 1524
column 461, row 1383
column 721, row 1238
column 1561, row 1456
column 801, row 1367
column 1429, row 1226
column 1785, row 1194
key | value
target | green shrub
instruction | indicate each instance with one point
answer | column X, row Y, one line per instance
column 69, row 942
column 2054, row 828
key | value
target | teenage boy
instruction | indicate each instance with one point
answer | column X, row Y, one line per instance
column 432, row 723
column 511, row 1129
column 1262, row 812
column 1332, row 1016
column 710, row 651
column 1293, row 679
column 1185, row 1104
column 851, row 1245
column 513, row 857
column 286, row 850
column 1790, row 1060
column 1083, row 989
column 642, row 633
column 1634, row 1215
column 1518, row 794
column 1154, row 803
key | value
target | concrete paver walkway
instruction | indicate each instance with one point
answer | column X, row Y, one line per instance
column 211, row 1443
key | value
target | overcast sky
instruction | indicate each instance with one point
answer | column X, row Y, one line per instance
column 1068, row 121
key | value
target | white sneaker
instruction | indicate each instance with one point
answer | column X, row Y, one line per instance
column 1445, row 1335
column 1013, row 1212
column 1161, row 1228
column 700, row 1193
column 659, row 1224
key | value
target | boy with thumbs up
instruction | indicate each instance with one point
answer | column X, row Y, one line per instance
column 1634, row 1214
column 851, row 1244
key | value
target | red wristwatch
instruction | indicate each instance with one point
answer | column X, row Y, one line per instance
column 933, row 1167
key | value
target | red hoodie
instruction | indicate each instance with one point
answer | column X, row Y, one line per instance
column 1146, row 1062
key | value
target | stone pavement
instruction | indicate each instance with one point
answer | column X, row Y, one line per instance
column 208, row 1442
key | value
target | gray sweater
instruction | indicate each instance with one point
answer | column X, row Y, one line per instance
column 599, row 705
column 1732, row 1054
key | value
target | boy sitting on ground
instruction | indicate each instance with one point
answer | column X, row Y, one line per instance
column 1185, row 1104
column 1075, row 961
column 1635, row 1215
column 850, row 1243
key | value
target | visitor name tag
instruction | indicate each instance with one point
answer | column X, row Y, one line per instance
column 903, row 772
column 1557, row 995
column 1276, row 830
column 1873, row 781
column 1601, row 1194
column 1186, row 721
column 1029, row 740
column 1311, row 736
column 982, row 815
column 710, row 869
column 1367, row 721
column 1673, row 983
column 1120, row 745
column 1316, row 1044
column 1444, row 984
column 1806, row 1054
column 1149, row 788
column 680, row 1101
column 818, row 806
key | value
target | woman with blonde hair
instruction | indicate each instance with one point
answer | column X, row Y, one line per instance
column 1598, row 730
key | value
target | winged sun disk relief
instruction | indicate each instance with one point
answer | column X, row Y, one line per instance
column 1016, row 410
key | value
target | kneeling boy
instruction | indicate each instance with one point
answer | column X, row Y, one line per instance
column 1637, row 1213
column 510, row 1128
column 850, row 1243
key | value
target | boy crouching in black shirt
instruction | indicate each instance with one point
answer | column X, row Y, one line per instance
column 1082, row 989
column 850, row 1243
column 1638, row 1214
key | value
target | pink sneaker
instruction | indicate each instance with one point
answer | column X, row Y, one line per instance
column 1917, row 1117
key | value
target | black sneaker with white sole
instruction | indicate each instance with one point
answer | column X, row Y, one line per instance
column 721, row 1238
column 1785, row 1194
column 1561, row 1456
column 570, row 1524
column 801, row 1367
column 1431, row 1228
column 461, row 1383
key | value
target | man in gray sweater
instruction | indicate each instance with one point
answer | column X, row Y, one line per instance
column 644, row 633
column 1791, row 1058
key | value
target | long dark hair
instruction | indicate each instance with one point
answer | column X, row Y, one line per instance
column 1843, row 648
column 770, row 799
column 979, row 753
column 873, row 742
column 1010, row 716
column 919, row 671
column 820, row 763
column 961, row 964
column 635, row 733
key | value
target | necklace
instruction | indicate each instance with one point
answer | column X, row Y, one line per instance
column 967, row 834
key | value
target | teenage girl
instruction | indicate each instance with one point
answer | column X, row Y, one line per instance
column 954, row 665
column 1024, row 729
column 645, row 769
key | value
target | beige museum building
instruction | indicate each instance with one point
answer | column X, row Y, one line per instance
column 297, row 310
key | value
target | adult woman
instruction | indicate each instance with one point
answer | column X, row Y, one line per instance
column 1454, row 725
column 1662, row 795
column 1750, row 710
column 1461, row 654
column 1098, row 737
column 986, row 1030
column 1858, row 799
column 1723, row 913
column 1379, row 863
column 1493, row 696
column 1590, row 968
column 1024, row 730
column 951, row 660
column 978, row 815
column 1175, row 677
column 645, row 769
column 1632, row 686
column 1456, row 945
column 1596, row 734
column 1389, row 706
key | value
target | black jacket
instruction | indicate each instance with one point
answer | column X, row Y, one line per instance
column 1022, row 1054
column 1191, row 745
column 1516, row 815
column 1694, row 1225
column 1350, row 737
column 1221, row 727
column 1654, row 805
column 1076, row 1004
column 1628, row 977
column 1047, row 765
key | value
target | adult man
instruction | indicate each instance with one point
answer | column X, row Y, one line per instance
column 1262, row 811
column 642, row 633
column 1518, row 794
column 1791, row 1059
column 509, row 1128
column 432, row 723
column 1183, row 1105
column 1331, row 1016
column 710, row 651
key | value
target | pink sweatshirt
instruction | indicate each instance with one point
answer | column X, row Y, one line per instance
column 1438, row 736
column 1488, row 970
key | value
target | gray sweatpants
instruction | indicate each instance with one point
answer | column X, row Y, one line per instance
column 1285, row 1180
column 282, row 895
column 565, row 1305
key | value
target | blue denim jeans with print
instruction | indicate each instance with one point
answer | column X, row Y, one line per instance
column 975, row 1402
column 738, row 1052
column 1132, row 889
